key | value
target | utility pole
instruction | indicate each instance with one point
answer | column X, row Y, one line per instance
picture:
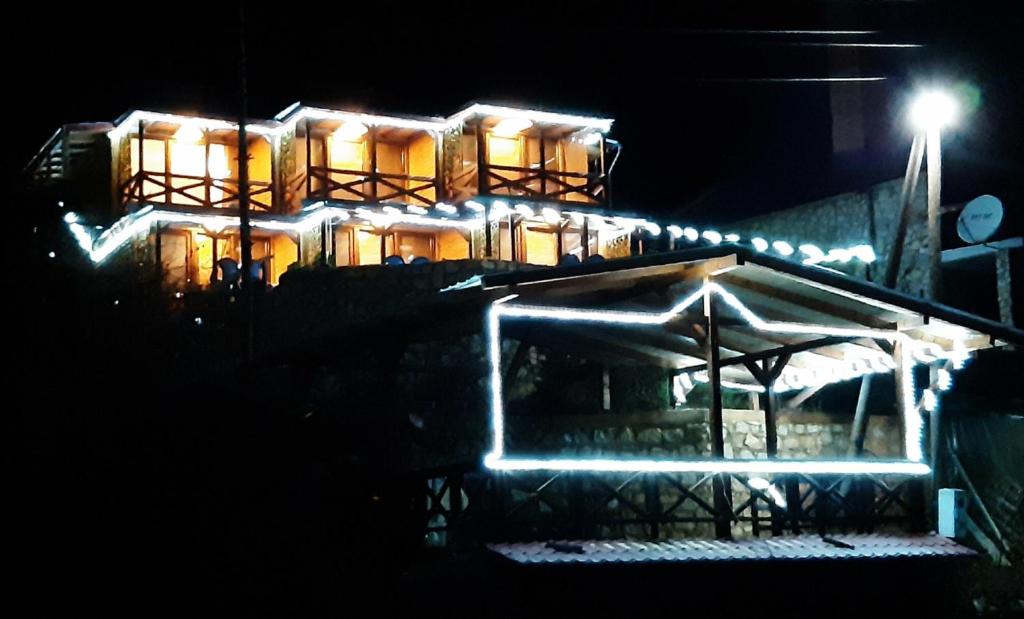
column 248, row 283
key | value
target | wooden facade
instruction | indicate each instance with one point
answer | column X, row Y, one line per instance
column 310, row 157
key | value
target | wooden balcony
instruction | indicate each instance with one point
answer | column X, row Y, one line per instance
column 545, row 184
column 324, row 183
column 193, row 191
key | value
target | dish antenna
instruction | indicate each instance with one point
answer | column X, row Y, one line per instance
column 980, row 219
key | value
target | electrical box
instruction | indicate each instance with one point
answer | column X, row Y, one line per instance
column 952, row 503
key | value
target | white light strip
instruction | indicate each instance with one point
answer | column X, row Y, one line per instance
column 494, row 357
column 913, row 353
column 140, row 222
column 208, row 124
column 603, row 125
column 807, row 467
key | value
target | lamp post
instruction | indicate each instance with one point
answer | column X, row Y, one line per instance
column 930, row 112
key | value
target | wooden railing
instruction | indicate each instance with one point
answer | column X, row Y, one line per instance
column 324, row 183
column 579, row 505
column 186, row 190
column 544, row 183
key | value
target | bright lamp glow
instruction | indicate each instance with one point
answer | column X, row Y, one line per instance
column 511, row 127
column 189, row 133
column 933, row 110
column 350, row 131
column 550, row 215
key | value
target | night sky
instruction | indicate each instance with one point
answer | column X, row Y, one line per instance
column 144, row 490
column 705, row 137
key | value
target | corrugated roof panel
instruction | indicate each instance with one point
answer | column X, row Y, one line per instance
column 863, row 546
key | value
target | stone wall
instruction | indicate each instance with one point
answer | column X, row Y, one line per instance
column 681, row 434
column 868, row 216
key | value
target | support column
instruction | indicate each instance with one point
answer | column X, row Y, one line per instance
column 1004, row 286
column 722, row 483
column 309, row 161
column 481, row 186
column 934, row 155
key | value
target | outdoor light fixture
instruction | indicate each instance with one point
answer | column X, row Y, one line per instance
column 592, row 138
column 783, row 248
column 188, row 133
column 523, row 210
column 713, row 236
column 350, row 131
column 933, row 109
column 511, row 127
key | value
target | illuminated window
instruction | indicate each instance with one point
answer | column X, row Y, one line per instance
column 415, row 246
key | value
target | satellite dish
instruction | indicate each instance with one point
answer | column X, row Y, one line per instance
column 980, row 219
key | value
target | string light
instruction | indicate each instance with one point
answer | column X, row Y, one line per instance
column 804, row 467
column 794, row 379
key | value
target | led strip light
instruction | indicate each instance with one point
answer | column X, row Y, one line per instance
column 140, row 222
column 913, row 423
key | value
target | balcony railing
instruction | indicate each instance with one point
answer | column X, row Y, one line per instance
column 323, row 183
column 543, row 183
column 186, row 190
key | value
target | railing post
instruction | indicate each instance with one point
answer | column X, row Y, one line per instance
column 721, row 483
column 207, row 201
column 652, row 504
column 543, row 160
column 439, row 168
column 793, row 504
column 142, row 161
column 168, row 183
column 372, row 139
column 309, row 161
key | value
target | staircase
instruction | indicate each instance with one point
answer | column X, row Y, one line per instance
column 67, row 146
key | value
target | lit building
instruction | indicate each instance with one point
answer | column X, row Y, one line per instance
column 342, row 189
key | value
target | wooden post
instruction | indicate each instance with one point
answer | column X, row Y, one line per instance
column 243, row 192
column 207, row 201
column 721, row 483
column 481, row 159
column 276, row 184
column 585, row 231
column 860, row 418
column 771, row 431
column 481, row 186
column 158, row 250
column 512, row 253
column 439, row 168
column 892, row 267
column 142, row 161
column 915, row 487
column 309, row 161
column 934, row 155
column 168, row 184
column 542, row 172
column 652, row 505
column 324, row 155
column 372, row 142
column 323, row 242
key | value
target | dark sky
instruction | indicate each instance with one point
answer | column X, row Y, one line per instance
column 703, row 135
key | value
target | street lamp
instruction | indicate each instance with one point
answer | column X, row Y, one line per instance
column 930, row 112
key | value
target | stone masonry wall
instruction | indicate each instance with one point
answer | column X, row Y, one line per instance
column 868, row 216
